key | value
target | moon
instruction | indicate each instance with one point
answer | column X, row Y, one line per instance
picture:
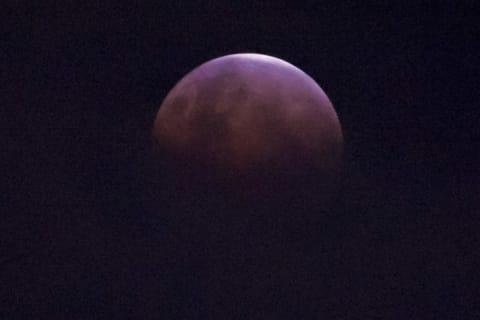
column 249, row 121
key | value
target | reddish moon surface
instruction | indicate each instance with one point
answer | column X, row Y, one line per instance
column 249, row 117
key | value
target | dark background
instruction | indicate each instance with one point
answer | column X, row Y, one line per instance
column 81, row 84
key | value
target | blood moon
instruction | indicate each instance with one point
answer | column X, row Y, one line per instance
column 251, row 122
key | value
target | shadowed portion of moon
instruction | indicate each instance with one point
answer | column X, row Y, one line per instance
column 249, row 124
column 247, row 149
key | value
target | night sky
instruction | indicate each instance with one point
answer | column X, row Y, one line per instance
column 80, row 86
